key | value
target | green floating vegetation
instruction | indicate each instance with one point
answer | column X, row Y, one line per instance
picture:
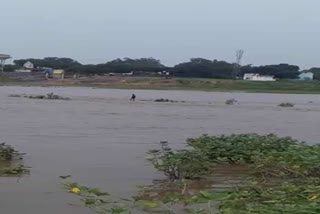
column 241, row 148
column 285, row 178
column 9, row 157
column 95, row 199
column 18, row 170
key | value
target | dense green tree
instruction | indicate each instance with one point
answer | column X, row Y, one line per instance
column 315, row 71
column 128, row 65
column 50, row 62
column 9, row 68
column 196, row 67
column 203, row 68
column 125, row 65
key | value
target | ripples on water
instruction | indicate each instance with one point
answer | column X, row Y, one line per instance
column 101, row 138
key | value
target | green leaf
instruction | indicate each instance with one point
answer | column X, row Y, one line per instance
column 89, row 201
column 149, row 204
column 97, row 192
column 119, row 210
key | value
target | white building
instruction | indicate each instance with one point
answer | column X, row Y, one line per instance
column 28, row 65
column 128, row 74
column 258, row 77
column 306, row 76
column 164, row 73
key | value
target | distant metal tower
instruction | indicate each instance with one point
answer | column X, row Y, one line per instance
column 237, row 65
column 3, row 58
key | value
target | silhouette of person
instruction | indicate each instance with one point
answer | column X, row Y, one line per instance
column 133, row 97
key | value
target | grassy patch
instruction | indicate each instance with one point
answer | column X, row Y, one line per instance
column 283, row 86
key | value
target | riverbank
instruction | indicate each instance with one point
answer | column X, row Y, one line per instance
column 288, row 86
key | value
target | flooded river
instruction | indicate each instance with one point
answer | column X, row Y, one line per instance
column 100, row 138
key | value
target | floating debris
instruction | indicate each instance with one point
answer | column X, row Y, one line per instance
column 168, row 101
column 231, row 102
column 286, row 105
column 50, row 96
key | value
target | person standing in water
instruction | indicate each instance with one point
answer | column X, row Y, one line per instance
column 133, row 97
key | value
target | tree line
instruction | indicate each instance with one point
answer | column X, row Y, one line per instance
column 196, row 67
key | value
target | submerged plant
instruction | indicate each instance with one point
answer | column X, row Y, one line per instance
column 179, row 164
column 286, row 105
column 50, row 96
column 8, row 153
column 165, row 100
column 21, row 169
column 9, row 156
column 231, row 102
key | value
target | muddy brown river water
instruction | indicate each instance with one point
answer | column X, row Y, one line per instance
column 100, row 138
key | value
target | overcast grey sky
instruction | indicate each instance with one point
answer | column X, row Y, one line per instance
column 270, row 31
